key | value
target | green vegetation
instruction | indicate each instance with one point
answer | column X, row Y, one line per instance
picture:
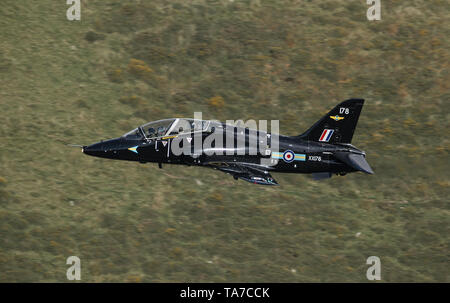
column 129, row 62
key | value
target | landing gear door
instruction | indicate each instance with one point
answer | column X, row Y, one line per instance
column 162, row 147
column 166, row 152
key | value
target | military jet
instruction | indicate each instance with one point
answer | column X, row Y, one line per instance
column 251, row 155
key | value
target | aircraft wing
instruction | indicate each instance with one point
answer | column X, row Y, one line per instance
column 250, row 173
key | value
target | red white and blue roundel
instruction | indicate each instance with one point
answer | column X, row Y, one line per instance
column 288, row 156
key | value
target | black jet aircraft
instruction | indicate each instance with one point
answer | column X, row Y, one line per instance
column 323, row 150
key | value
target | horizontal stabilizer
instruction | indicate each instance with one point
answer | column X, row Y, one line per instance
column 356, row 161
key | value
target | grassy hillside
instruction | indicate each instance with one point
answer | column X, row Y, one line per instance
column 129, row 62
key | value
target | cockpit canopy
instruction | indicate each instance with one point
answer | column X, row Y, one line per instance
column 169, row 127
column 157, row 128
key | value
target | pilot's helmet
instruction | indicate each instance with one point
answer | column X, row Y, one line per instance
column 161, row 129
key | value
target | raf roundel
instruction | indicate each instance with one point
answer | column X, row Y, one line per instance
column 288, row 156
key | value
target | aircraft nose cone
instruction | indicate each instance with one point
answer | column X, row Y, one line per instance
column 94, row 149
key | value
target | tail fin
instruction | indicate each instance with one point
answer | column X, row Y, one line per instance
column 338, row 125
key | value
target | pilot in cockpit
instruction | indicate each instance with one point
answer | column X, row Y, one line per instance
column 161, row 131
column 151, row 132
